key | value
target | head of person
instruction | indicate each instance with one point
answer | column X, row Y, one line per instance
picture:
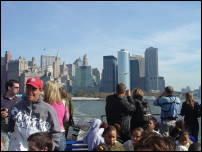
column 51, row 92
column 138, row 94
column 152, row 124
column 110, row 135
column 169, row 91
column 184, row 138
column 155, row 142
column 195, row 147
column 41, row 141
column 12, row 87
column 189, row 98
column 180, row 124
column 63, row 93
column 121, row 88
column 136, row 135
column 33, row 89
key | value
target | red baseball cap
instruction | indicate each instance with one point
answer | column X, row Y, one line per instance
column 35, row 82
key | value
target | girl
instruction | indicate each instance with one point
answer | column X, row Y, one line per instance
column 152, row 125
column 110, row 138
column 135, row 138
column 184, row 142
column 52, row 96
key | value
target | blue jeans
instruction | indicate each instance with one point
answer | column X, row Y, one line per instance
column 62, row 142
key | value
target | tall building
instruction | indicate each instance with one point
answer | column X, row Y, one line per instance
column 84, row 80
column 4, row 69
column 137, row 68
column 109, row 74
column 200, row 92
column 151, row 69
column 161, row 83
column 124, row 68
column 71, row 70
column 47, row 61
column 56, row 68
column 97, row 76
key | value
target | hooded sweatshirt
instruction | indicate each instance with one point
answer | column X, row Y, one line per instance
column 31, row 117
column 94, row 136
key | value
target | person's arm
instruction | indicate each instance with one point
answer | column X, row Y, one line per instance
column 54, row 128
column 157, row 102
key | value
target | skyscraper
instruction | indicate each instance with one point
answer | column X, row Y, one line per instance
column 47, row 61
column 124, row 68
column 151, row 69
column 109, row 74
column 137, row 70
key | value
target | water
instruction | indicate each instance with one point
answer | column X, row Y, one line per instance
column 95, row 109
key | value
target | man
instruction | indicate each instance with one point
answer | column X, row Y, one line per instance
column 32, row 115
column 119, row 109
column 8, row 100
column 170, row 106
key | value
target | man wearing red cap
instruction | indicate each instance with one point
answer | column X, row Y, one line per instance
column 31, row 115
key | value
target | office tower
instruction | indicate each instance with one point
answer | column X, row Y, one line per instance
column 96, row 74
column 109, row 74
column 85, row 60
column 151, row 69
column 137, row 70
column 4, row 69
column 161, row 83
column 56, row 68
column 47, row 61
column 124, row 68
column 71, row 70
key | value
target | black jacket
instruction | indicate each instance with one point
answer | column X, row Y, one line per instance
column 138, row 119
column 190, row 114
column 119, row 109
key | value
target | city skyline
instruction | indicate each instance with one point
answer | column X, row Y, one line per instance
column 103, row 28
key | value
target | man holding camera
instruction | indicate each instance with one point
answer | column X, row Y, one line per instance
column 170, row 106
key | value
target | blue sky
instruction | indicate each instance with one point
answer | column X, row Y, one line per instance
column 103, row 28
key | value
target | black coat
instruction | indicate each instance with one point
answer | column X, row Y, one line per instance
column 138, row 119
column 119, row 109
column 190, row 114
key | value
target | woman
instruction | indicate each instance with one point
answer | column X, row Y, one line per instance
column 52, row 96
column 138, row 118
column 191, row 111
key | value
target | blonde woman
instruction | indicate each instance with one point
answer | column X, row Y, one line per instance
column 138, row 118
column 52, row 96
column 191, row 111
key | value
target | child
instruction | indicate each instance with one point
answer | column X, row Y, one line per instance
column 41, row 141
column 110, row 138
column 152, row 125
column 184, row 142
column 136, row 136
column 177, row 131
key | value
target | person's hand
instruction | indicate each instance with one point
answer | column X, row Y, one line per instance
column 4, row 113
column 128, row 93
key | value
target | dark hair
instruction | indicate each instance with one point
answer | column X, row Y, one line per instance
column 195, row 147
column 109, row 129
column 169, row 90
column 155, row 122
column 121, row 88
column 155, row 142
column 10, row 83
column 42, row 140
column 180, row 124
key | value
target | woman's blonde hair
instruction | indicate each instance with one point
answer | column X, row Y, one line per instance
column 51, row 92
column 189, row 98
column 138, row 92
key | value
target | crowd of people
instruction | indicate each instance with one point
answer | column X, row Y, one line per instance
column 40, row 119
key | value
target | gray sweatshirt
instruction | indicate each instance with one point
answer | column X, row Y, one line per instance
column 32, row 117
